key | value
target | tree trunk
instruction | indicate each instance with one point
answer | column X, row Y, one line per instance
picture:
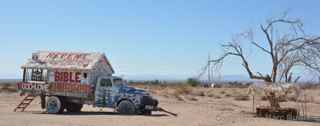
column 274, row 72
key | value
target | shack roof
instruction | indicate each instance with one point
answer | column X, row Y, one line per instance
column 67, row 60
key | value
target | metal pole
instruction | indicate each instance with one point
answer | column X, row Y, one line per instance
column 209, row 71
column 253, row 103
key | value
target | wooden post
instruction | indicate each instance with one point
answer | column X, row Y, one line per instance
column 305, row 106
column 253, row 103
column 24, row 79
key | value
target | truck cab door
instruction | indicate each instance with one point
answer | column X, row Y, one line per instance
column 103, row 92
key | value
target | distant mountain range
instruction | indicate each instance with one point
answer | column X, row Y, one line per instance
column 9, row 80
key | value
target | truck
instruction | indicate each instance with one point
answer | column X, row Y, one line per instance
column 65, row 81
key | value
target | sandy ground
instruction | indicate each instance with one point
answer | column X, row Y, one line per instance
column 206, row 111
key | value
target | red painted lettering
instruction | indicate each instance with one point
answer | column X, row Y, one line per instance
column 65, row 76
column 77, row 78
column 56, row 76
column 70, row 77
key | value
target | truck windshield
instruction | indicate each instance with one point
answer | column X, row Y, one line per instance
column 118, row 82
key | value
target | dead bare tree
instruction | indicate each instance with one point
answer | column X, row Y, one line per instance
column 287, row 46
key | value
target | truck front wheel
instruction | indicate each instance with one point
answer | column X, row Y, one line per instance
column 146, row 112
column 54, row 105
column 126, row 107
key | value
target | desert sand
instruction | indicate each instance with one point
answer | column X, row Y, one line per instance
column 196, row 111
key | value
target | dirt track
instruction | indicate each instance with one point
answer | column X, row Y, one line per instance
column 204, row 112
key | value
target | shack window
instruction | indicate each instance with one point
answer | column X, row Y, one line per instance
column 35, row 74
column 105, row 83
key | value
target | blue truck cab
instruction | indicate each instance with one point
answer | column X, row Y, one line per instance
column 114, row 92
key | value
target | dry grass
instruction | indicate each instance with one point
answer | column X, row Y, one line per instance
column 198, row 93
column 264, row 98
column 242, row 98
column 183, row 92
column 8, row 88
column 191, row 98
column 183, row 89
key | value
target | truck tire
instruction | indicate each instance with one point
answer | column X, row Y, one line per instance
column 73, row 107
column 146, row 112
column 126, row 107
column 43, row 101
column 54, row 105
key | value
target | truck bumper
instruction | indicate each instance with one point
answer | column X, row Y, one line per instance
column 149, row 103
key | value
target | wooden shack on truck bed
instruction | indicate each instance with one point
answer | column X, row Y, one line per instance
column 69, row 74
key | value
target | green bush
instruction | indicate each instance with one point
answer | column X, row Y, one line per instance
column 193, row 82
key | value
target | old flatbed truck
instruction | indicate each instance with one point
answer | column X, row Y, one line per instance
column 67, row 81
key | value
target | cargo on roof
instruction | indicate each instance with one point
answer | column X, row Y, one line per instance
column 68, row 60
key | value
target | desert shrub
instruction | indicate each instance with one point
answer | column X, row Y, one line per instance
column 281, row 99
column 179, row 97
column 193, row 82
column 242, row 98
column 165, row 95
column 228, row 95
column 223, row 92
column 198, row 93
column 8, row 88
column 192, row 98
column 264, row 98
column 212, row 95
column 217, row 97
column 182, row 89
column 292, row 98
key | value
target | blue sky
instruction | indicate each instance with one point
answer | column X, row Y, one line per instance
column 140, row 37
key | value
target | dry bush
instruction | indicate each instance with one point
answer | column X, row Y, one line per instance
column 179, row 90
column 217, row 97
column 7, row 87
column 182, row 90
column 176, row 91
column 264, row 98
column 214, row 96
column 223, row 92
column 242, row 98
column 292, row 98
column 227, row 95
column 179, row 97
column 198, row 93
column 191, row 98
column 211, row 95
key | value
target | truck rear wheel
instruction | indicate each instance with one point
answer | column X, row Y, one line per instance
column 126, row 107
column 54, row 105
column 73, row 107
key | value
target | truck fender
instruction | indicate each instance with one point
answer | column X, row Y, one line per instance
column 122, row 99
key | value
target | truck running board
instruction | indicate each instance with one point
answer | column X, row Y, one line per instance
column 24, row 103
